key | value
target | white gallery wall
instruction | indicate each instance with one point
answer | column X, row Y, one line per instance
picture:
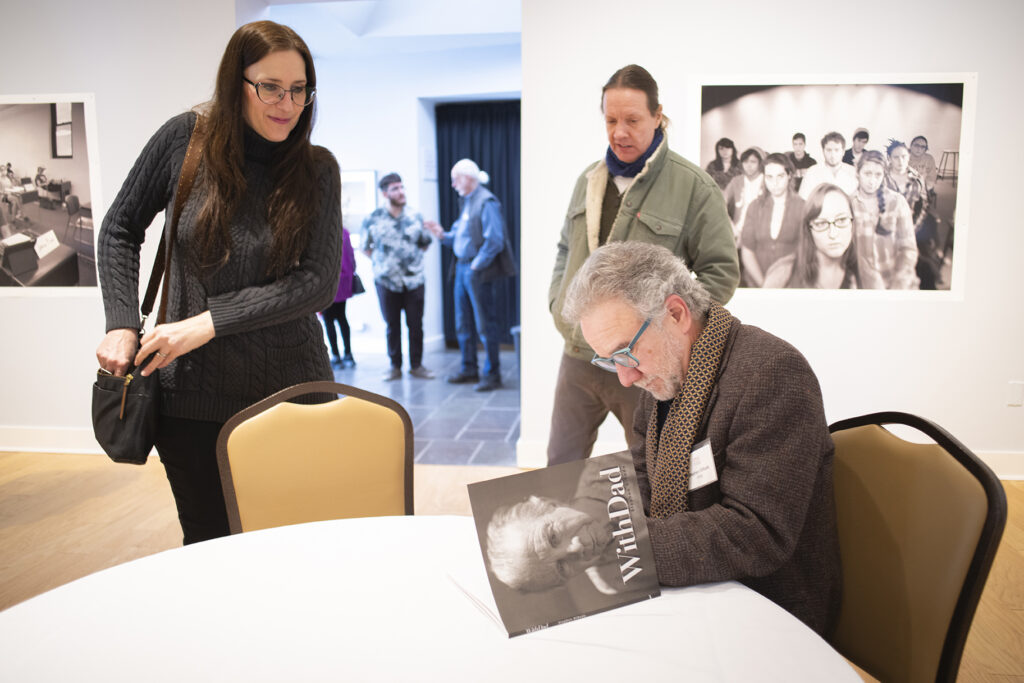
column 143, row 62
column 946, row 358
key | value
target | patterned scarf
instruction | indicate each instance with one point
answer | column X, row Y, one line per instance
column 670, row 459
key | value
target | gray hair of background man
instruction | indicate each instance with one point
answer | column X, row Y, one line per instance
column 643, row 275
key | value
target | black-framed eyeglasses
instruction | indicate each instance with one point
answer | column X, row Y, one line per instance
column 272, row 93
column 840, row 223
column 624, row 356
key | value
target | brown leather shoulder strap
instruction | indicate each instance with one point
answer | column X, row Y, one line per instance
column 161, row 265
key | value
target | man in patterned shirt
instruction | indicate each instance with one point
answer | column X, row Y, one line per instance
column 395, row 240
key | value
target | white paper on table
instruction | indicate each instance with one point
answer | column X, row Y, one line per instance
column 46, row 243
column 16, row 238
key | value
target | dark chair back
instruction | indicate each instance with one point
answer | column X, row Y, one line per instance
column 918, row 526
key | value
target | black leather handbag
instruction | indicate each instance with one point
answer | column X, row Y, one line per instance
column 126, row 409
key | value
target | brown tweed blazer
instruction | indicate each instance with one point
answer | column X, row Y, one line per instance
column 769, row 520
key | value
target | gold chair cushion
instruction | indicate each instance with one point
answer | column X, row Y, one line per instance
column 298, row 463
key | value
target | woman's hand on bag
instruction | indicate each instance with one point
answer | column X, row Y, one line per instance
column 117, row 349
column 172, row 340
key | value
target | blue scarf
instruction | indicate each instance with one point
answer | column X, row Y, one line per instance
column 617, row 167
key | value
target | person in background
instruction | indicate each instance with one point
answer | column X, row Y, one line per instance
column 395, row 240
column 800, row 159
column 725, row 166
column 11, row 192
column 477, row 237
column 886, row 244
column 831, row 170
column 334, row 315
column 734, row 459
column 826, row 248
column 772, row 226
column 259, row 246
column 902, row 178
column 744, row 189
column 640, row 192
column 923, row 162
column 851, row 156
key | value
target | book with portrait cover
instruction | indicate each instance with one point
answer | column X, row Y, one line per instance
column 564, row 542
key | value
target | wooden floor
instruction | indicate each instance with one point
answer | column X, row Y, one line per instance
column 65, row 516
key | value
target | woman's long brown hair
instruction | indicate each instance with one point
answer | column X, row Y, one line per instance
column 293, row 200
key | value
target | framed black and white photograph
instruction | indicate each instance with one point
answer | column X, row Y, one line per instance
column 848, row 185
column 48, row 179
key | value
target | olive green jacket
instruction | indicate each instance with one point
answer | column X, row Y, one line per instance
column 671, row 202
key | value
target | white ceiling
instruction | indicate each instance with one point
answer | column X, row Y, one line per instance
column 398, row 26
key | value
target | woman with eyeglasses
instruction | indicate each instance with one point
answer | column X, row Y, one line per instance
column 886, row 244
column 826, row 248
column 257, row 254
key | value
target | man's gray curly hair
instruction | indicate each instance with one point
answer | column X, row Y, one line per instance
column 641, row 274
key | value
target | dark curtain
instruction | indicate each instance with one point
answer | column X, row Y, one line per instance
column 487, row 133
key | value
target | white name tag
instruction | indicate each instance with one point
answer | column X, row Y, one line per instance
column 702, row 465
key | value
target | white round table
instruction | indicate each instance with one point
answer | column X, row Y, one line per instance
column 373, row 600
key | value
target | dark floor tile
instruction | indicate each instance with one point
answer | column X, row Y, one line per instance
column 488, row 435
column 441, row 427
column 495, row 453
column 493, row 418
column 445, row 452
column 503, row 399
column 451, row 422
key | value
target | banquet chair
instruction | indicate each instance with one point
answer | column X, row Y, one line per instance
column 74, row 209
column 919, row 524
column 287, row 463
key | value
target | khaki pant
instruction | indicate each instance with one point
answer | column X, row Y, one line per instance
column 584, row 395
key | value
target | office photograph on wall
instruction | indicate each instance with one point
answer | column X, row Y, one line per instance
column 47, row 234
column 842, row 185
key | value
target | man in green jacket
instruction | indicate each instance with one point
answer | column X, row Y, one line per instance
column 641, row 191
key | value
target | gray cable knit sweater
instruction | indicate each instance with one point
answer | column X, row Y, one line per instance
column 266, row 333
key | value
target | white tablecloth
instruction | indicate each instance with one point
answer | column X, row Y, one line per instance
column 373, row 600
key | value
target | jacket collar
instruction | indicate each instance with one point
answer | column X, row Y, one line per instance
column 598, row 178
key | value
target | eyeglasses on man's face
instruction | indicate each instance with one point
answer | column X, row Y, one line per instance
column 271, row 93
column 624, row 356
column 823, row 224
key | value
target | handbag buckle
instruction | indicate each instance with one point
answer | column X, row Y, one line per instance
column 124, row 394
